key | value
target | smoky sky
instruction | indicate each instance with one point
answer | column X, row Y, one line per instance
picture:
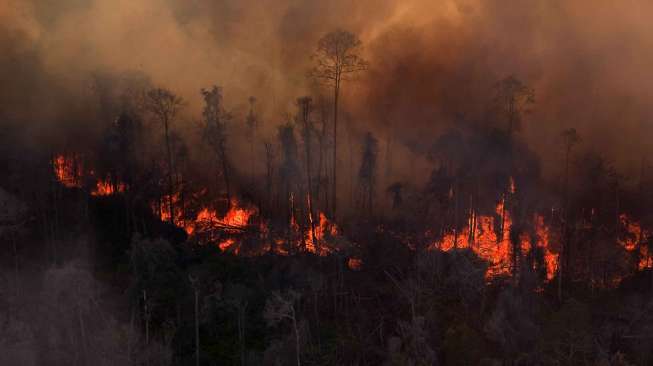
column 432, row 63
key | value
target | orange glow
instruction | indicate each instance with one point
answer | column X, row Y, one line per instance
column 543, row 241
column 164, row 209
column 487, row 243
column 325, row 228
column 227, row 244
column 633, row 239
column 236, row 218
column 66, row 171
column 494, row 246
column 105, row 188
column 354, row 264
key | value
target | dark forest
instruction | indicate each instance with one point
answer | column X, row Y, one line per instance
column 453, row 182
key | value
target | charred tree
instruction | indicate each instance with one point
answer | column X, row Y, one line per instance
column 252, row 125
column 165, row 105
column 570, row 138
column 337, row 57
column 215, row 133
column 367, row 174
column 305, row 107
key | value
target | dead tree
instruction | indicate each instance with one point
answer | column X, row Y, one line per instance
column 282, row 307
column 215, row 126
column 252, row 124
column 570, row 138
column 367, row 174
column 305, row 107
column 269, row 171
column 337, row 57
column 512, row 99
column 195, row 286
column 165, row 105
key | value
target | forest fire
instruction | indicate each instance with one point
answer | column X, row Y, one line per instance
column 635, row 238
column 233, row 182
column 67, row 171
column 487, row 235
column 484, row 236
column 322, row 230
column 234, row 221
column 107, row 188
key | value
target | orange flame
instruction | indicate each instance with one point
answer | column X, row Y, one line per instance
column 633, row 241
column 354, row 264
column 67, row 171
column 325, row 228
column 236, row 217
column 105, row 188
column 495, row 247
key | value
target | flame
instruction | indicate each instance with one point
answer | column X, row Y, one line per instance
column 228, row 244
column 105, row 188
column 550, row 258
column 494, row 246
column 354, row 264
column 324, row 229
column 163, row 207
column 487, row 243
column 66, row 171
column 236, row 218
column 633, row 240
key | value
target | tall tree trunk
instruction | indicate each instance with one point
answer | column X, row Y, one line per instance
column 12, row 233
column 197, row 329
column 225, row 172
column 335, row 144
column 294, row 323
column 307, row 145
column 563, row 252
column 170, row 179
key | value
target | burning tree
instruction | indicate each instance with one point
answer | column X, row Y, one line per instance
column 289, row 173
column 305, row 106
column 215, row 132
column 165, row 105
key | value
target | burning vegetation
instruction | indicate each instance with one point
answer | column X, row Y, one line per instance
column 388, row 196
column 483, row 213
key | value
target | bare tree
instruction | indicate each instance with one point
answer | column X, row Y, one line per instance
column 305, row 106
column 195, row 285
column 252, row 124
column 269, row 171
column 289, row 172
column 165, row 105
column 512, row 100
column 367, row 174
column 570, row 138
column 336, row 58
column 281, row 307
column 215, row 133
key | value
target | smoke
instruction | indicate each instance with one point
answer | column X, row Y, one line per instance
column 432, row 63
column 585, row 60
